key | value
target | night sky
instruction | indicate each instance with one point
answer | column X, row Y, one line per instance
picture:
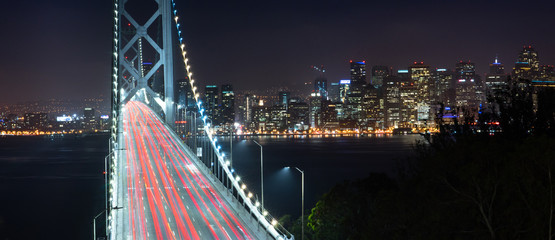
column 62, row 48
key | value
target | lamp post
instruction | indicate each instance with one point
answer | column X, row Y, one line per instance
column 233, row 127
column 261, row 172
column 302, row 201
column 94, row 223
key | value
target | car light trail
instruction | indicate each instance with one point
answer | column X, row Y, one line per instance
column 167, row 196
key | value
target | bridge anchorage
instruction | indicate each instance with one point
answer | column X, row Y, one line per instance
column 167, row 177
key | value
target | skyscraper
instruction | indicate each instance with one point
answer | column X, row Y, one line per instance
column 378, row 75
column 497, row 87
column 321, row 82
column 496, row 67
column 333, row 93
column 467, row 86
column 358, row 74
column 212, row 103
column 443, row 90
column 353, row 107
column 284, row 98
column 392, row 101
column 420, row 75
column 408, row 95
column 89, row 119
column 527, row 64
column 228, row 105
column 496, row 80
column 344, row 89
column 245, row 109
column 315, row 103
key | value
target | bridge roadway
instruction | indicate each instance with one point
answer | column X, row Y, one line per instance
column 165, row 195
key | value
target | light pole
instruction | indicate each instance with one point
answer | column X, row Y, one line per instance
column 233, row 127
column 302, row 201
column 94, row 223
column 261, row 172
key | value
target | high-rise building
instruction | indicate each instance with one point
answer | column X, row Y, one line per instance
column 408, row 111
column 344, row 89
column 496, row 80
column 299, row 119
column 249, row 101
column 321, row 83
column 547, row 72
column 333, row 92
column 261, row 118
column 372, row 108
column 228, row 105
column 184, row 96
column 328, row 115
column 284, row 98
column 467, row 86
column 212, row 103
column 527, row 65
column 315, row 103
column 420, row 75
column 497, row 87
column 353, row 104
column 378, row 75
column 89, row 119
column 278, row 118
column 496, row 67
column 358, row 74
column 392, row 101
column 443, row 90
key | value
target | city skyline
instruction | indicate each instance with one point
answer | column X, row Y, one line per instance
column 269, row 44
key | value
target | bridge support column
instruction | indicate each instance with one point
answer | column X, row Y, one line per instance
column 166, row 8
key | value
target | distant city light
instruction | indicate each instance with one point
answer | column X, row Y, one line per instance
column 64, row 118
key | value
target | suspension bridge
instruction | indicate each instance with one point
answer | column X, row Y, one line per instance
column 167, row 177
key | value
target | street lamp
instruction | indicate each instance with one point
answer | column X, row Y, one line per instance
column 94, row 223
column 235, row 126
column 302, row 200
column 261, row 172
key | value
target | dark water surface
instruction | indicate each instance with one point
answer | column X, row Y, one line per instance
column 52, row 188
column 325, row 162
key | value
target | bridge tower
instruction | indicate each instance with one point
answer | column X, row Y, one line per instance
column 142, row 69
column 143, row 56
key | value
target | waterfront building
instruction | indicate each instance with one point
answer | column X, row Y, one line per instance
column 392, row 101
column 299, row 118
column 35, row 121
column 420, row 76
column 315, row 103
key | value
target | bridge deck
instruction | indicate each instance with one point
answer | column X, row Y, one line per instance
column 164, row 194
